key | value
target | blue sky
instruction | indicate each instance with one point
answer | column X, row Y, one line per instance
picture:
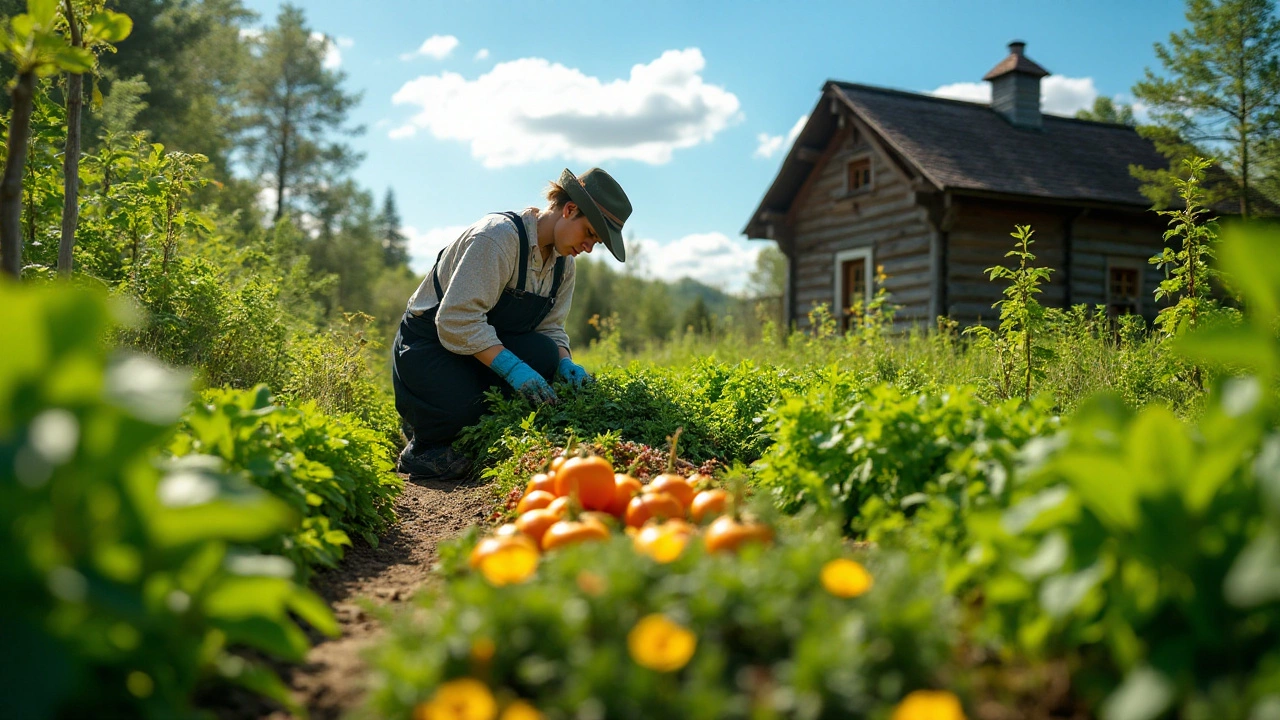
column 471, row 106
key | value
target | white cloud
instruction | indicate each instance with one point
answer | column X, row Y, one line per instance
column 437, row 46
column 250, row 33
column 1064, row 96
column 345, row 42
column 769, row 145
column 332, row 53
column 1059, row 95
column 973, row 92
column 712, row 258
column 482, row 54
column 532, row 109
column 424, row 246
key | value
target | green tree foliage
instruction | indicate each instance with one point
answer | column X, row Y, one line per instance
column 294, row 104
column 395, row 251
column 1109, row 111
column 697, row 318
column 1220, row 96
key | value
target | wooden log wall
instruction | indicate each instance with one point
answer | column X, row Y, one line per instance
column 981, row 236
column 826, row 220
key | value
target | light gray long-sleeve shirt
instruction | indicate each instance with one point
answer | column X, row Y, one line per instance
column 473, row 272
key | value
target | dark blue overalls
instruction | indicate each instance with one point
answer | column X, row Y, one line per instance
column 439, row 392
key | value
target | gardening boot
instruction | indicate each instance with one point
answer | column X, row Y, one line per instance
column 441, row 463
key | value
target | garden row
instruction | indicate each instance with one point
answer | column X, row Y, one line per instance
column 1120, row 562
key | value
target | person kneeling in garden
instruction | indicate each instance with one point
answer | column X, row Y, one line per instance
column 492, row 311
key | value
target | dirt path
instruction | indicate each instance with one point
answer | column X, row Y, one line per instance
column 330, row 682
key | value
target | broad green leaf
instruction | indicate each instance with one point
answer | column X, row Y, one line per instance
column 74, row 60
column 311, row 608
column 110, row 27
column 1254, row 577
column 1251, row 256
column 1061, row 594
column 240, row 596
column 1144, row 695
column 43, row 12
column 1244, row 346
column 1105, row 486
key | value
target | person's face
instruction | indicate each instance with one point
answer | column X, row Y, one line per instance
column 574, row 233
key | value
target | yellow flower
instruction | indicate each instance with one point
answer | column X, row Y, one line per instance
column 660, row 644
column 929, row 705
column 521, row 710
column 461, row 699
column 514, row 562
column 846, row 578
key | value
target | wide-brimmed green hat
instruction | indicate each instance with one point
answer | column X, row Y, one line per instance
column 602, row 200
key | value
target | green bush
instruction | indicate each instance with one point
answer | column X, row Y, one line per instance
column 332, row 368
column 335, row 473
column 770, row 641
column 720, row 407
column 125, row 580
column 840, row 449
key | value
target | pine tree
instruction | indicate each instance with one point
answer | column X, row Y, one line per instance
column 1107, row 110
column 1221, row 95
column 296, row 104
column 394, row 250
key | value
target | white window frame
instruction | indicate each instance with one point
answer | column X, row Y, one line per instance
column 864, row 253
column 871, row 167
column 1125, row 263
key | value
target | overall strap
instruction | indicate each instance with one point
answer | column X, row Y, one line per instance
column 555, row 284
column 435, row 276
column 523, row 272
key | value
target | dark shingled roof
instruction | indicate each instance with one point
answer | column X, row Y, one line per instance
column 969, row 146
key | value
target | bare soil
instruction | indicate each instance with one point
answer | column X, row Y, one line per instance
column 331, row 681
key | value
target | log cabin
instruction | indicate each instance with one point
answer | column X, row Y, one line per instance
column 929, row 189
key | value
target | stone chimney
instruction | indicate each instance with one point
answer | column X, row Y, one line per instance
column 1015, row 88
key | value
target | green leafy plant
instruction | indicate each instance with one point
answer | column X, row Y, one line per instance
column 1019, row 345
column 1189, row 249
column 840, row 448
column 128, row 582
column 335, row 473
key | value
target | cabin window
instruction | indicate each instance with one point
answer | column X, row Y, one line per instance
column 1124, row 287
column 859, row 175
column 852, row 283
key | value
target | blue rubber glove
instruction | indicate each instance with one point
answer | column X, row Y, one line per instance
column 572, row 373
column 523, row 378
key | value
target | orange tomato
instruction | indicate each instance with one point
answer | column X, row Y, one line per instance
column 505, row 530
column 556, row 464
column 494, row 544
column 534, row 500
column 649, row 505
column 675, row 486
column 591, row 478
column 534, row 524
column 571, row 532
column 559, row 506
column 708, row 504
column 541, row 481
column 624, row 488
column 727, row 534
